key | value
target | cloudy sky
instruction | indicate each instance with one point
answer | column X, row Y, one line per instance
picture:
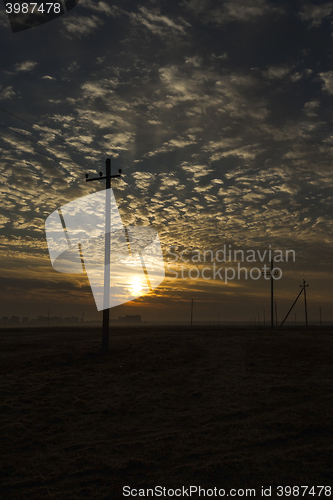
column 219, row 115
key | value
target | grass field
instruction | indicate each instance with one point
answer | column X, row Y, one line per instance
column 170, row 406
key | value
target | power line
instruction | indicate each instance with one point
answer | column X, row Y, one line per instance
column 139, row 195
column 51, row 132
column 35, row 125
column 37, row 151
column 37, row 142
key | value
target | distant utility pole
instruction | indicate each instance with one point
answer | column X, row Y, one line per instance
column 320, row 316
column 192, row 312
column 107, row 274
column 264, row 318
column 271, row 274
column 305, row 306
column 258, row 319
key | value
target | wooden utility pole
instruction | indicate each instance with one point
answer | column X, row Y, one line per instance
column 305, row 306
column 271, row 274
column 107, row 270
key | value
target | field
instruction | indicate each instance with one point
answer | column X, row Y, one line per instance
column 212, row 407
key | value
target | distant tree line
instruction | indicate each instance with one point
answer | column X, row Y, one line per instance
column 16, row 321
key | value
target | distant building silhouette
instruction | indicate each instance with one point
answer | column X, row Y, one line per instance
column 130, row 319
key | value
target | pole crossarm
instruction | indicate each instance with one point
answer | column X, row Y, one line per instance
column 101, row 177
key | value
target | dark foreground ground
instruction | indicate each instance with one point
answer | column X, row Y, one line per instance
column 225, row 408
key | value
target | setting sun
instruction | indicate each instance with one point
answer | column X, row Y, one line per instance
column 136, row 286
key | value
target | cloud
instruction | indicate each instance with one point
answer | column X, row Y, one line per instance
column 310, row 107
column 234, row 10
column 102, row 7
column 328, row 81
column 315, row 14
column 196, row 170
column 81, row 25
column 6, row 92
column 144, row 179
column 94, row 89
column 277, row 72
column 118, row 141
column 158, row 24
column 25, row 66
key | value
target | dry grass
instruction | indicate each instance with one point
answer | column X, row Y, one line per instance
column 230, row 408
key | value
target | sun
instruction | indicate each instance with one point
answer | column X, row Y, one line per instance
column 136, row 286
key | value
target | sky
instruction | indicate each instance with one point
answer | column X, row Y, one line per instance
column 218, row 114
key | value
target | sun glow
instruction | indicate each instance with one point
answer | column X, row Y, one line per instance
column 136, row 286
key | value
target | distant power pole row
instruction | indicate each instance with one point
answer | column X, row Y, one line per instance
column 303, row 290
column 256, row 319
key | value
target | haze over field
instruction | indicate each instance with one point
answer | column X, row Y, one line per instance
column 219, row 114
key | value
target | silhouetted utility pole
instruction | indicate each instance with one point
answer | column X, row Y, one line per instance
column 106, row 309
column 320, row 316
column 264, row 318
column 271, row 274
column 192, row 312
column 305, row 306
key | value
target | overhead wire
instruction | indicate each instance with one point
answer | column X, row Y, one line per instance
column 38, row 143
column 48, row 131
column 47, row 147
column 66, row 162
column 36, row 150
column 59, row 136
